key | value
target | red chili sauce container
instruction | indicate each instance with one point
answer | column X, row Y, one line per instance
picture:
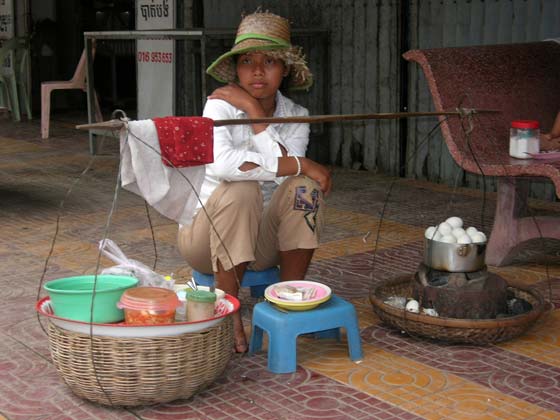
column 149, row 305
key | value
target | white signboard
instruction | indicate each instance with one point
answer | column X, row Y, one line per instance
column 6, row 68
column 6, row 19
column 155, row 60
column 6, row 32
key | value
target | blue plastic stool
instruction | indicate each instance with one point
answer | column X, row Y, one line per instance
column 283, row 328
column 258, row 281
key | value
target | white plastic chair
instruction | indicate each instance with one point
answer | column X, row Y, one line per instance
column 22, row 60
column 8, row 83
column 78, row 81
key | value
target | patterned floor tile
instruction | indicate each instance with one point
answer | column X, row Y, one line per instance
column 529, row 274
column 416, row 387
column 542, row 342
column 399, row 378
column 509, row 373
column 249, row 391
column 366, row 316
column 372, row 234
column 30, row 388
column 12, row 146
column 367, row 226
column 550, row 290
column 354, row 276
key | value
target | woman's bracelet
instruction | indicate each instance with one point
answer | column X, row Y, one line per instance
column 298, row 166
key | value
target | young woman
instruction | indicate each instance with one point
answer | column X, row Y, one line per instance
column 248, row 222
column 551, row 141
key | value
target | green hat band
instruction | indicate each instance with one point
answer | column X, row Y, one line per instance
column 278, row 41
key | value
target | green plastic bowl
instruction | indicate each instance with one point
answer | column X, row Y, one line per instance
column 71, row 297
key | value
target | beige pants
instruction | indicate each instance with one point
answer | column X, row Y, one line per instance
column 243, row 232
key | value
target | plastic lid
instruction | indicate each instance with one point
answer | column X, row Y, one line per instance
column 149, row 298
column 201, row 296
column 524, row 124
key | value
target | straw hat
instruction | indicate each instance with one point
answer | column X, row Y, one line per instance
column 268, row 33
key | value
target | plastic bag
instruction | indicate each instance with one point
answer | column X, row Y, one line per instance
column 129, row 267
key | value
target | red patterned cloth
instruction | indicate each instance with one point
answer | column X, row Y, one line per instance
column 185, row 141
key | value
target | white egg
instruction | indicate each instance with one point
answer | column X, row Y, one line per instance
column 430, row 311
column 437, row 237
column 465, row 239
column 430, row 232
column 413, row 306
column 458, row 232
column 444, row 228
column 471, row 230
column 450, row 239
column 455, row 222
column 478, row 238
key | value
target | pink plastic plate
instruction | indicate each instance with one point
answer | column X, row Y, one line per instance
column 322, row 294
column 322, row 290
column 553, row 155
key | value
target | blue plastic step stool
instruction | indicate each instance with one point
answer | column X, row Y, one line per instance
column 258, row 281
column 283, row 328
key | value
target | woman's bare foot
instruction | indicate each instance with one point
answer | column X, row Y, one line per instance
column 240, row 345
column 240, row 340
column 227, row 281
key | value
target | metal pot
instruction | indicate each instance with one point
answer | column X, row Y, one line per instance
column 455, row 258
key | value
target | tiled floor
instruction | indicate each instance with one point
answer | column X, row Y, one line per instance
column 400, row 377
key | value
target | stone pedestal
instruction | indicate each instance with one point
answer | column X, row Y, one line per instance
column 477, row 295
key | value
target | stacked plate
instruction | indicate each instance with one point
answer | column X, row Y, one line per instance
column 297, row 295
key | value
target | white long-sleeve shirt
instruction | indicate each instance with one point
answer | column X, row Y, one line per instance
column 236, row 144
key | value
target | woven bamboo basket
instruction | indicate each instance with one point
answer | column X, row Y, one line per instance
column 139, row 371
column 471, row 331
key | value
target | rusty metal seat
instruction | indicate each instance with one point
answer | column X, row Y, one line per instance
column 521, row 80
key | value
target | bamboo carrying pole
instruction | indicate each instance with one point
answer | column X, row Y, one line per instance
column 118, row 124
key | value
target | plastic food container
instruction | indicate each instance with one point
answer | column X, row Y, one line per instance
column 149, row 305
column 200, row 305
column 71, row 297
column 524, row 139
column 181, row 313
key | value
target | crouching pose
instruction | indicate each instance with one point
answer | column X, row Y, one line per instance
column 263, row 198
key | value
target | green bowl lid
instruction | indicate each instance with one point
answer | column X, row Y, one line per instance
column 201, row 296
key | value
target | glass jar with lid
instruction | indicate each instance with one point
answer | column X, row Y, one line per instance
column 524, row 139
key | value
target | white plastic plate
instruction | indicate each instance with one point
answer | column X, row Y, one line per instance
column 125, row 330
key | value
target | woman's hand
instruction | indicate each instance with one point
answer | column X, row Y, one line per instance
column 287, row 166
column 318, row 173
column 551, row 141
column 548, row 142
column 238, row 97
